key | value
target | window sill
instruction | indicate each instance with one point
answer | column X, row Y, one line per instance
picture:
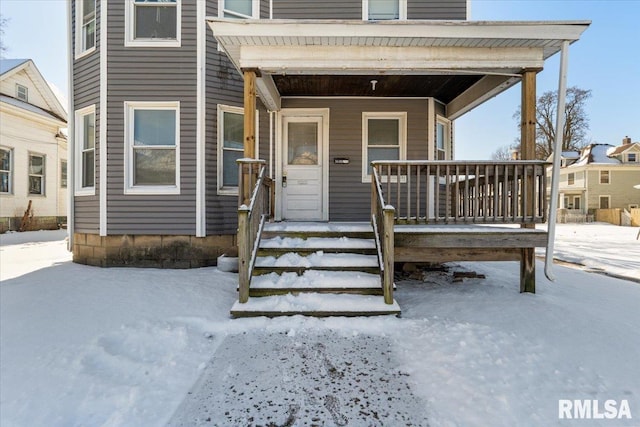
column 153, row 190
column 85, row 53
column 152, row 43
column 228, row 191
column 85, row 192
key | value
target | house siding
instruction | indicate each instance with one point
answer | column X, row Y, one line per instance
column 620, row 187
column 349, row 197
column 151, row 74
column 86, row 92
column 352, row 9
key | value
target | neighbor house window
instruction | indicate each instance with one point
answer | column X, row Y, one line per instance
column 153, row 23
column 22, row 93
column 605, row 202
column 576, row 202
column 6, row 170
column 152, row 159
column 85, row 120
column 230, row 146
column 571, row 179
column 384, row 137
column 632, row 157
column 63, row 174
column 85, row 26
column 378, row 10
column 36, row 174
column 244, row 9
column 443, row 139
column 604, row 177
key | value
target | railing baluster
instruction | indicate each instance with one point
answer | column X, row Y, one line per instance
column 436, row 194
column 427, row 186
column 505, row 199
column 398, row 178
column 418, row 193
column 447, row 193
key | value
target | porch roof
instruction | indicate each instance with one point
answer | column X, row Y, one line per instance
column 462, row 63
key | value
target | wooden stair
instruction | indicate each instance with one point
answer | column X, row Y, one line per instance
column 316, row 269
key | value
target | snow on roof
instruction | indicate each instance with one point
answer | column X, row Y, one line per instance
column 595, row 153
column 9, row 64
column 30, row 107
column 571, row 154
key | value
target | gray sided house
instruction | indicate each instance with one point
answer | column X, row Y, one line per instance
column 189, row 114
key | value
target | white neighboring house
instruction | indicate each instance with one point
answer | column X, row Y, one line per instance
column 33, row 148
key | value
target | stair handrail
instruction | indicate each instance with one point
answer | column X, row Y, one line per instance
column 383, row 221
column 251, row 218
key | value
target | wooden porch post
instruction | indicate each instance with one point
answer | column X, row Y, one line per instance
column 249, row 129
column 528, row 152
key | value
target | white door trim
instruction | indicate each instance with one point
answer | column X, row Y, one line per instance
column 303, row 112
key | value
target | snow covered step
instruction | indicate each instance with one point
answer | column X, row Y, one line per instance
column 318, row 229
column 315, row 304
column 316, row 281
column 294, row 262
column 277, row 246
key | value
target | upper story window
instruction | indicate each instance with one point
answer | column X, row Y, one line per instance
column 571, row 179
column 22, row 92
column 152, row 23
column 85, row 26
column 604, row 177
column 384, row 137
column 632, row 157
column 379, row 10
column 85, row 151
column 36, row 174
column 244, row 9
column 152, row 158
column 6, row 170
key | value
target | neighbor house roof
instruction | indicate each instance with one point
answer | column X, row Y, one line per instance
column 30, row 107
column 622, row 148
column 595, row 154
column 7, row 65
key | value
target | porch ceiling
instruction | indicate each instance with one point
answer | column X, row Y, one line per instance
column 462, row 63
column 442, row 87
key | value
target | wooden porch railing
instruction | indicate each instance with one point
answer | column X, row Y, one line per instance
column 251, row 217
column 382, row 220
column 449, row 192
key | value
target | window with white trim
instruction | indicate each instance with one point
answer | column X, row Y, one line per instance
column 85, row 120
column 36, row 174
column 571, row 179
column 381, row 10
column 85, row 26
column 384, row 137
column 605, row 202
column 22, row 92
column 632, row 157
column 63, row 174
column 243, row 9
column 153, row 23
column 443, row 139
column 6, row 170
column 231, row 146
column 152, row 158
column 605, row 177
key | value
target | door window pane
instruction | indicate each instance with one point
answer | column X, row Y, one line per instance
column 384, row 9
column 302, row 143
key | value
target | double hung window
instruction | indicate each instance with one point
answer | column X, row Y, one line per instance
column 6, row 170
column 384, row 138
column 36, row 174
column 153, row 23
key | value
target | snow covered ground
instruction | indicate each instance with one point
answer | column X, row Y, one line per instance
column 84, row 346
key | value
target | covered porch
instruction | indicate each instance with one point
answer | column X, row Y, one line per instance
column 421, row 209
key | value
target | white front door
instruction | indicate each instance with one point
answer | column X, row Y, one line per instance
column 303, row 163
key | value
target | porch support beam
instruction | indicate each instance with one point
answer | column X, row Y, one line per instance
column 528, row 152
column 249, row 127
column 301, row 59
column 486, row 88
column 268, row 92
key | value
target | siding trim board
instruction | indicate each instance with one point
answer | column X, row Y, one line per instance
column 103, row 117
column 201, row 135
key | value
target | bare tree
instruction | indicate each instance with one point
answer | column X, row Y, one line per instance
column 576, row 121
column 3, row 24
column 502, row 153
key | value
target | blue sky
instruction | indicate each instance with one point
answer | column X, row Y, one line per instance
column 605, row 60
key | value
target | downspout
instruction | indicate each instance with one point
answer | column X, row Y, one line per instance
column 71, row 146
column 557, row 151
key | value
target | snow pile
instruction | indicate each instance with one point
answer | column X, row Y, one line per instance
column 123, row 347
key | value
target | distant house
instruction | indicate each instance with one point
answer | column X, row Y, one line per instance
column 33, row 149
column 601, row 176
